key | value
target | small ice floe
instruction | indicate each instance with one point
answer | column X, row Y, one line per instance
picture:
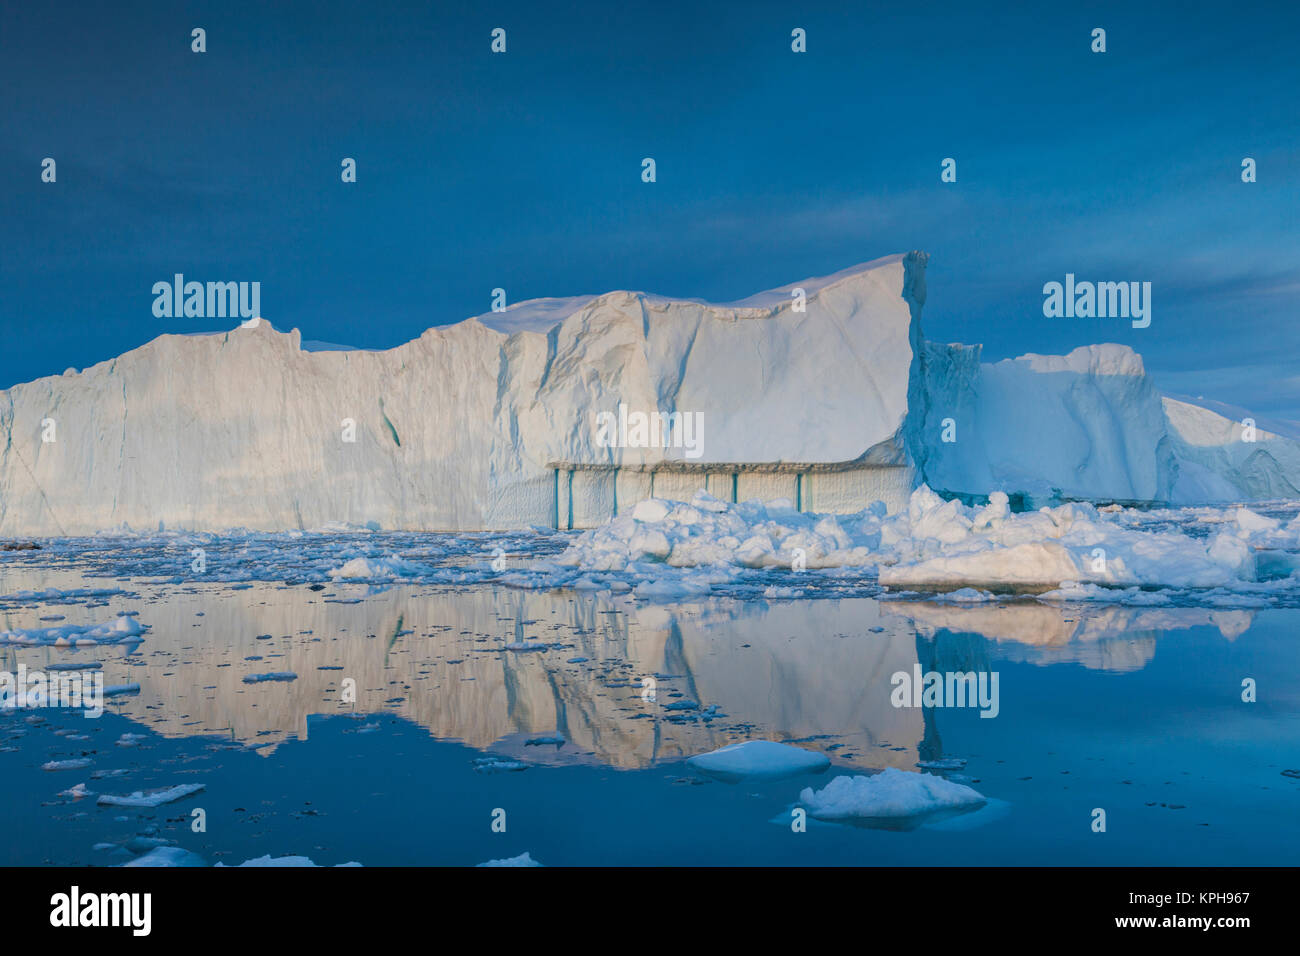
column 75, row 763
column 272, row 676
column 269, row 860
column 150, row 798
column 130, row 740
column 527, row 646
column 75, row 666
column 759, row 760
column 895, row 799
column 553, row 740
column 77, row 792
column 943, row 763
column 122, row 630
column 167, row 856
column 497, row 765
column 523, row 859
column 684, row 704
column 376, row 569
column 121, row 690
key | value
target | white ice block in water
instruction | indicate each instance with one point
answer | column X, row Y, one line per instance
column 759, row 760
column 890, row 796
column 150, row 798
column 76, row 763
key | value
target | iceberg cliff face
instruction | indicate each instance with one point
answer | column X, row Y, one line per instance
column 1087, row 425
column 1091, row 426
column 459, row 428
column 1221, row 460
column 823, row 392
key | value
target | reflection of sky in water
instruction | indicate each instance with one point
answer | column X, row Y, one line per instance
column 1134, row 710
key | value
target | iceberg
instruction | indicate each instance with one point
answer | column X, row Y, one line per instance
column 823, row 393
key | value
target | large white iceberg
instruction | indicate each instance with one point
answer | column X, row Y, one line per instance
column 823, row 392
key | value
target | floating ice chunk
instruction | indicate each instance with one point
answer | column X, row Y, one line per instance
column 492, row 764
column 943, row 763
column 759, row 760
column 121, row 630
column 522, row 859
column 150, row 798
column 371, row 569
column 119, row 690
column 167, row 856
column 76, row 763
column 890, row 795
column 272, row 676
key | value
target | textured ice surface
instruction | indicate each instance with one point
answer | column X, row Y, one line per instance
column 455, row 429
column 892, row 793
column 1205, row 555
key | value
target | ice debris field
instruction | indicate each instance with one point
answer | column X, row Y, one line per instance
column 1237, row 556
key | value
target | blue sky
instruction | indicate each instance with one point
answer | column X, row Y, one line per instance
column 522, row 170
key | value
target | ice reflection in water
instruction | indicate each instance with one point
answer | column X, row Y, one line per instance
column 818, row 672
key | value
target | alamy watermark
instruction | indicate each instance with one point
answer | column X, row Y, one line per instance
column 948, row 689
column 36, row 689
column 211, row 300
column 684, row 430
column 1099, row 300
